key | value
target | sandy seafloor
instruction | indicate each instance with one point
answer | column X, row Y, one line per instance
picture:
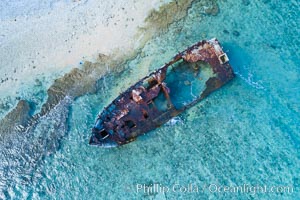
column 245, row 133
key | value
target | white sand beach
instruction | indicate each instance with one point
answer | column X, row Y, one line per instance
column 44, row 40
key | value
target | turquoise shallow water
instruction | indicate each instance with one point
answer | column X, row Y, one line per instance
column 245, row 133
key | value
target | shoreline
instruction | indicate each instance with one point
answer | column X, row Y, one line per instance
column 36, row 50
column 82, row 79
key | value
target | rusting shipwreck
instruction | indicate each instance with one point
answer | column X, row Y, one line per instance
column 187, row 79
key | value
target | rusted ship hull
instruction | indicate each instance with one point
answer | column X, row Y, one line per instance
column 187, row 79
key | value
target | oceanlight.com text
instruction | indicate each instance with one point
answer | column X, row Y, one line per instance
column 210, row 188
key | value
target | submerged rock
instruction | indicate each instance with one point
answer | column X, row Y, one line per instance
column 225, row 31
column 167, row 14
column 236, row 33
column 207, row 7
column 78, row 82
column 246, row 2
column 214, row 10
column 19, row 116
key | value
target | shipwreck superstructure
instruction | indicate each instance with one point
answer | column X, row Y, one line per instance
column 188, row 78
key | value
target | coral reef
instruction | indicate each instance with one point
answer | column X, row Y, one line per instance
column 19, row 116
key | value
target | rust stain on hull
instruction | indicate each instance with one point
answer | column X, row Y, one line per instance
column 187, row 79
